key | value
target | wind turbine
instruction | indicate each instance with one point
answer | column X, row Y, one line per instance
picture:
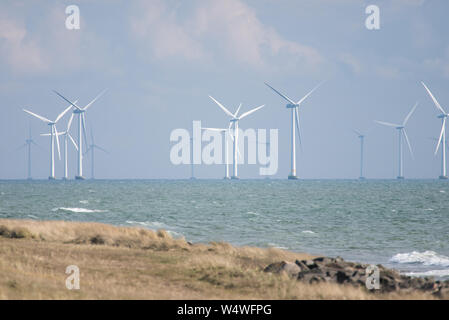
column 28, row 143
column 226, row 133
column 80, row 111
column 294, row 106
column 401, row 132
column 67, row 136
column 235, row 121
column 442, row 139
column 92, row 148
column 362, row 141
column 53, row 134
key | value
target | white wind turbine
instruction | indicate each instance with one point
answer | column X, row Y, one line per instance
column 67, row 136
column 362, row 141
column 235, row 121
column 80, row 111
column 401, row 131
column 442, row 139
column 294, row 106
column 226, row 134
column 91, row 149
column 28, row 143
column 53, row 134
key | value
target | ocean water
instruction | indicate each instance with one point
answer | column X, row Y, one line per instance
column 400, row 224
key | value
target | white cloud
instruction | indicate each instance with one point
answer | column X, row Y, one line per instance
column 216, row 31
column 17, row 49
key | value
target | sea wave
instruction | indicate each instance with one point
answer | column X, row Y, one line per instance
column 427, row 258
column 78, row 210
column 148, row 224
column 431, row 273
column 308, row 232
column 156, row 225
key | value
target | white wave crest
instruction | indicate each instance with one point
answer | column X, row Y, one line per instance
column 308, row 232
column 431, row 273
column 78, row 210
column 427, row 258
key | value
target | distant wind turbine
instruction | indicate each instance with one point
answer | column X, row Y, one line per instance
column 53, row 134
column 362, row 141
column 294, row 106
column 91, row 149
column 80, row 111
column 28, row 143
column 442, row 139
column 226, row 133
column 401, row 132
column 235, row 121
column 67, row 136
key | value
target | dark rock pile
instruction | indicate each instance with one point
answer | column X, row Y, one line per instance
column 337, row 270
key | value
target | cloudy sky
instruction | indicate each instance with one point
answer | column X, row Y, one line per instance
column 161, row 59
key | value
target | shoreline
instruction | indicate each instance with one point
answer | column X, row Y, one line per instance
column 137, row 263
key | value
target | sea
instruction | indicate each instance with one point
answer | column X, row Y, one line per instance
column 400, row 224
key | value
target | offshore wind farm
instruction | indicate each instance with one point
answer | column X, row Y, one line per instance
column 189, row 176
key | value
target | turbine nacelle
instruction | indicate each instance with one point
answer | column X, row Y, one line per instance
column 291, row 106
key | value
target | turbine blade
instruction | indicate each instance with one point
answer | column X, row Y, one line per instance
column 73, row 141
column 57, row 142
column 22, row 146
column 67, row 100
column 433, row 98
column 282, row 95
column 357, row 132
column 251, row 111
column 408, row 143
column 441, row 135
column 95, row 99
column 214, row 129
column 298, row 127
column 63, row 113
column 409, row 114
column 307, row 95
column 238, row 109
column 100, row 148
column 222, row 107
column 230, row 132
column 387, row 123
column 83, row 121
column 37, row 116
column 69, row 124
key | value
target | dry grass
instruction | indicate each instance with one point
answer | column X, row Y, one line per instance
column 134, row 263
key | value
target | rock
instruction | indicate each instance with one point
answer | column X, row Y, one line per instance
column 336, row 270
column 292, row 269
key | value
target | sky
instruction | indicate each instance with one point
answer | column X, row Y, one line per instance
column 160, row 59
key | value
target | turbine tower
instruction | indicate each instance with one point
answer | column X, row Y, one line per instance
column 362, row 141
column 294, row 106
column 226, row 133
column 92, row 148
column 235, row 121
column 80, row 111
column 28, row 143
column 53, row 134
column 442, row 139
column 67, row 136
column 401, row 132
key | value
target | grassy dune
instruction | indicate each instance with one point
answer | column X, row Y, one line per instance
column 135, row 263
